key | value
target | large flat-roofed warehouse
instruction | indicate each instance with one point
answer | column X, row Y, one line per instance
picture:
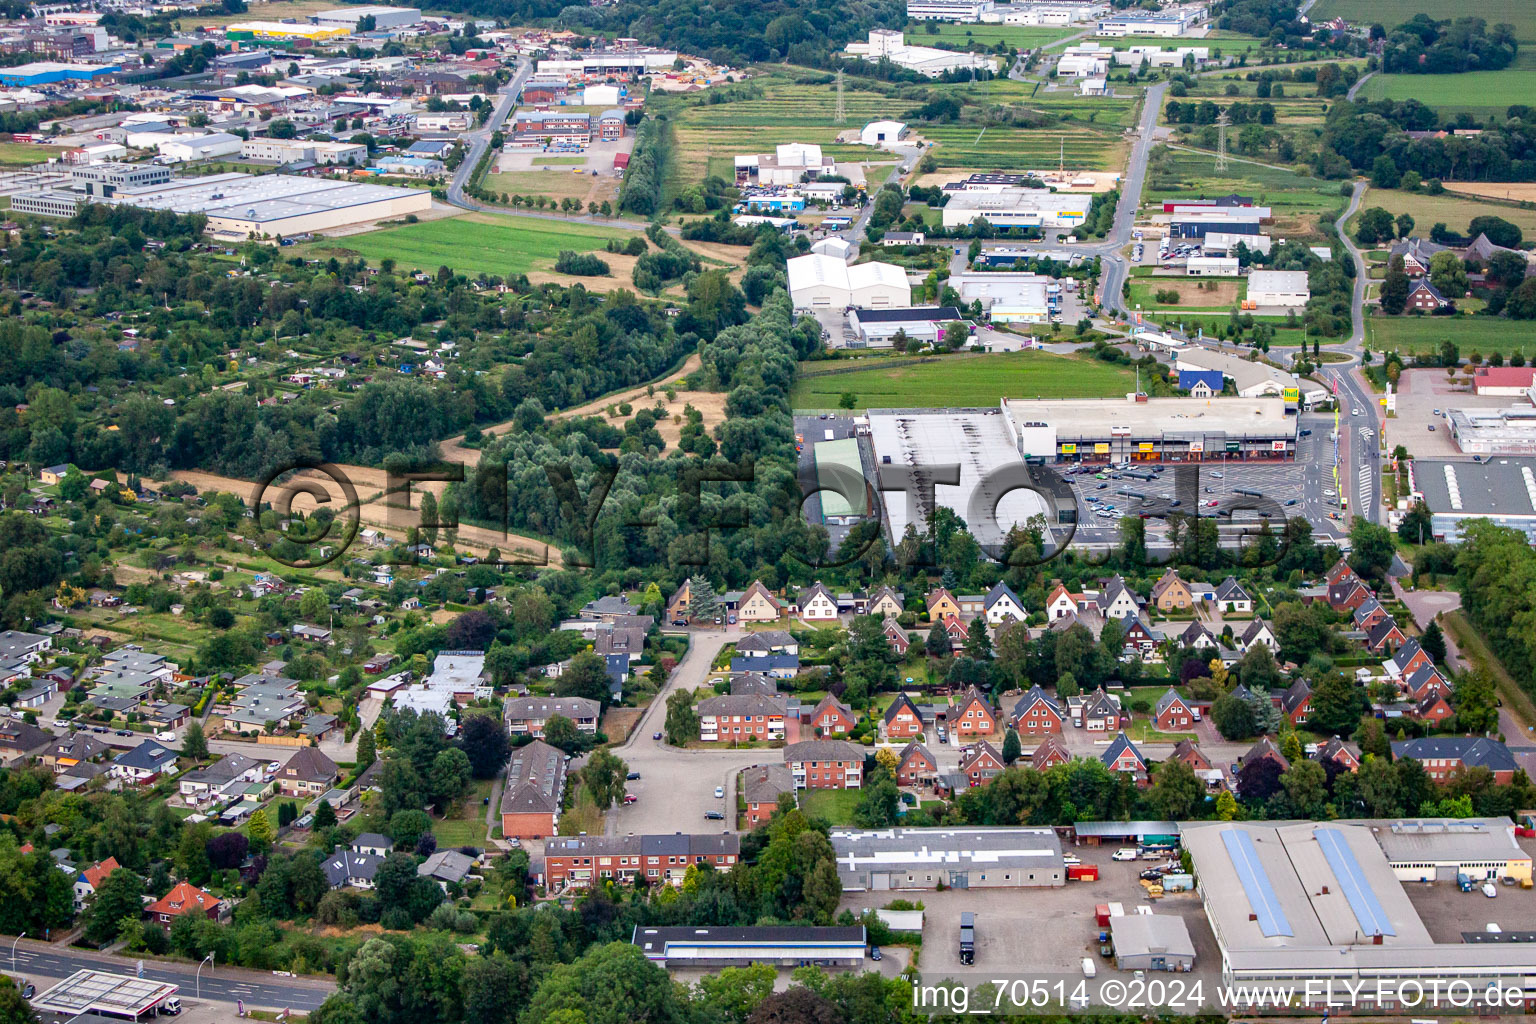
column 1319, row 901
column 240, row 206
column 1510, row 431
column 383, row 17
column 1502, row 491
column 960, row 858
column 989, row 495
column 1151, row 429
column 1437, row 849
column 1279, row 288
column 778, row 945
column 1017, row 208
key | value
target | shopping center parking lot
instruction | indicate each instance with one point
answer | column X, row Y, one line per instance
column 1420, row 393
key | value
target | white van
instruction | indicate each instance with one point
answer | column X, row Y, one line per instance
column 1090, row 969
column 1125, row 853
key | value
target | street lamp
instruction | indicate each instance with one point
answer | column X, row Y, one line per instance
column 13, row 951
column 198, row 978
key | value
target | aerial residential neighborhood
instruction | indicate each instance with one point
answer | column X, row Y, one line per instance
column 528, row 514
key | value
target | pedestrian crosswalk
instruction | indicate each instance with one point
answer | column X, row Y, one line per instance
column 1364, row 498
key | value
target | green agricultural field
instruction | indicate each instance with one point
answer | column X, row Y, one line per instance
column 1020, row 37
column 1477, row 92
column 1454, row 211
column 1019, row 149
column 23, row 154
column 965, row 380
column 1484, row 334
column 476, row 243
column 1519, row 13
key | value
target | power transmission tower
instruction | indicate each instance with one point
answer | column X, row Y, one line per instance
column 841, row 115
column 1221, row 140
column 1061, row 158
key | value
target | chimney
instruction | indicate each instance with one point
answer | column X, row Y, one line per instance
column 1376, row 939
column 1325, row 890
column 1253, row 917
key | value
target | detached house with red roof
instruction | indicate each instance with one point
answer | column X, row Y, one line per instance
column 1172, row 713
column 1122, row 756
column 833, row 718
column 1051, row 752
column 184, row 898
column 89, row 880
column 1410, row 658
column 1186, row 751
column 897, row 637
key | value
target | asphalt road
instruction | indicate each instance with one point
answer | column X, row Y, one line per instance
column 476, row 141
column 45, row 964
column 1114, row 265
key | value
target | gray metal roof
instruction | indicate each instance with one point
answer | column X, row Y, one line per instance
column 917, row 849
column 1143, row 934
column 1495, row 487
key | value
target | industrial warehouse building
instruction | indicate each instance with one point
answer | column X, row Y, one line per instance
column 1009, row 296
column 825, row 282
column 1510, row 431
column 776, row 945
column 1286, row 288
column 383, row 17
column 1502, row 491
column 877, row 328
column 965, row 858
column 1151, row 942
column 240, row 206
column 1017, row 208
column 1437, row 849
column 46, row 72
column 1151, row 429
column 1320, row 901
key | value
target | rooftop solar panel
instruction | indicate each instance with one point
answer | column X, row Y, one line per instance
column 1362, row 898
column 1261, row 894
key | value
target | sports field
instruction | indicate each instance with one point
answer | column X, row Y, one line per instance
column 1519, row 13
column 964, row 380
column 477, row 243
column 1483, row 334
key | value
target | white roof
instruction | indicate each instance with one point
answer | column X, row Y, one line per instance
column 1277, row 281
column 798, row 154
column 816, row 269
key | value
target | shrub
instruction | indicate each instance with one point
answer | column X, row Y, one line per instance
column 580, row 264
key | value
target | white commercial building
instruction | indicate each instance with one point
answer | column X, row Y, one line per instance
column 884, row 134
column 1437, row 849
column 1152, row 429
column 825, row 282
column 1510, row 431
column 295, row 151
column 1172, row 21
column 891, row 45
column 963, row 858
column 1211, row 266
column 186, row 148
column 383, row 17
column 1250, row 377
column 947, row 10
column 1017, row 207
column 786, row 165
column 1046, row 13
column 1286, row 288
column 1500, row 490
column 1085, row 60
column 1008, row 296
column 1158, row 57
column 1220, row 243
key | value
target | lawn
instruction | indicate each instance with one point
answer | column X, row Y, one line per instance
column 1021, row 37
column 966, row 380
column 1487, row 335
column 1454, row 211
column 477, row 243
column 466, row 826
column 1478, row 92
column 835, row 805
column 1195, row 293
column 276, row 10
column 24, row 154
column 1519, row 13
column 555, row 184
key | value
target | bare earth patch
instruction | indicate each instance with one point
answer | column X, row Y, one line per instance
column 1513, row 191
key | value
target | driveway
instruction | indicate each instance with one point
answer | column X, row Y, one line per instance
column 676, row 786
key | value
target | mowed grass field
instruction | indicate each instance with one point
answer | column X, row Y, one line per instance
column 1478, row 92
column 477, row 243
column 273, row 10
column 24, row 154
column 1519, row 13
column 964, row 380
column 1298, row 202
column 1454, row 211
column 1483, row 334
column 1022, row 37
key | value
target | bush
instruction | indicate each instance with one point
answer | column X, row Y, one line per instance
column 1167, row 296
column 580, row 264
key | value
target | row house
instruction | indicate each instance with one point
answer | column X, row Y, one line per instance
column 902, row 720
column 733, row 719
column 917, row 766
column 1433, row 709
column 971, row 716
column 534, row 791
column 1422, row 682
column 981, row 763
column 1036, row 714
column 527, row 716
column 1444, row 756
column 774, row 666
column 579, row 861
column 1409, row 658
column 761, row 787
column 825, row 764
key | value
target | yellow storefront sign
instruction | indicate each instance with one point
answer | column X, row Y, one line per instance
column 1101, row 448
column 1145, row 446
column 1069, row 449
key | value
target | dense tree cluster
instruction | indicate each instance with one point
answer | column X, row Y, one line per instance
column 1424, row 46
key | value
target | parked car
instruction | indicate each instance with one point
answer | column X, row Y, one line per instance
column 713, row 816
column 1490, row 890
column 719, row 792
column 656, row 736
column 630, row 798
column 874, row 953
column 632, row 776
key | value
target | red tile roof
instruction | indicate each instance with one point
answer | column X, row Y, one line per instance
column 183, row 899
